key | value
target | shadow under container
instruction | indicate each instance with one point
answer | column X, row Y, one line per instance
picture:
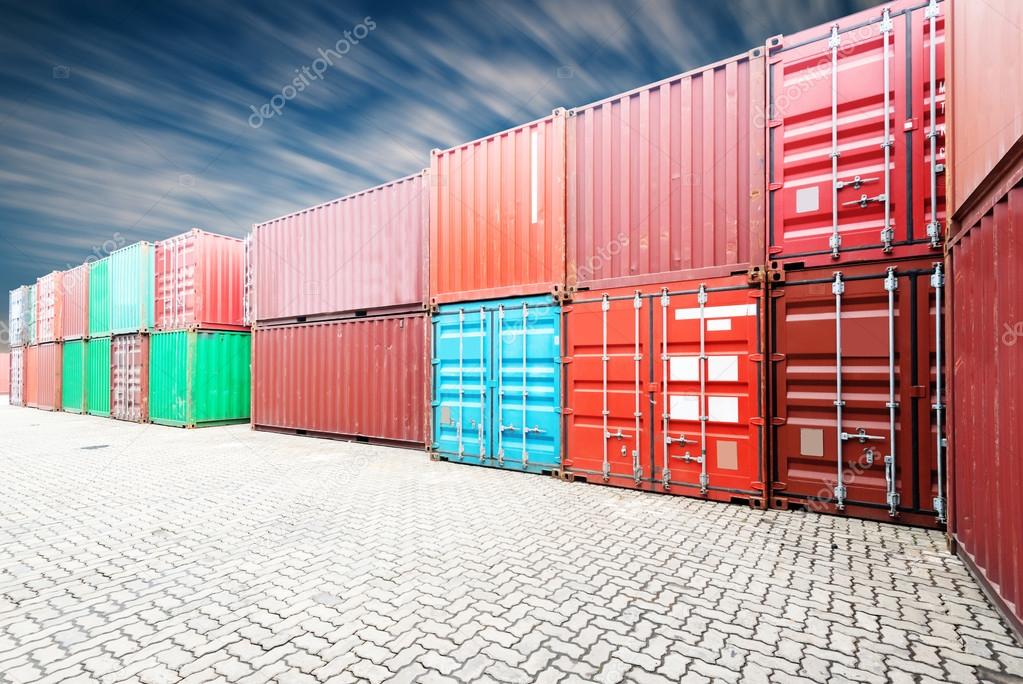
column 74, row 375
column 97, row 374
column 199, row 378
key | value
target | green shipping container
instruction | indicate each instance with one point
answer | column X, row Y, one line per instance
column 72, row 380
column 99, row 297
column 199, row 378
column 97, row 378
column 132, row 288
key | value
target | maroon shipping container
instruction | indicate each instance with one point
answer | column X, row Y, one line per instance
column 855, row 168
column 363, row 378
column 17, row 376
column 75, row 304
column 364, row 252
column 48, row 375
column 497, row 214
column 129, row 377
column 986, row 417
column 199, row 282
column 854, row 384
column 667, row 181
column 49, row 303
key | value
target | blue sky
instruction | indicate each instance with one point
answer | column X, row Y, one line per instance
column 131, row 121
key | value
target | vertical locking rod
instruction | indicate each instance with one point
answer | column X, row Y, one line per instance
column 836, row 239
column 887, row 234
column 665, row 471
column 701, row 298
column 838, row 288
column 891, row 284
column 605, row 305
column 938, row 283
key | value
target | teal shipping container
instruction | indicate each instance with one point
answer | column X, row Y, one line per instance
column 99, row 297
column 132, row 288
column 199, row 378
column 73, row 379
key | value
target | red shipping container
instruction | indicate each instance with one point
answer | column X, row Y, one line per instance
column 497, row 214
column 30, row 376
column 199, row 282
column 49, row 307
column 861, row 384
column 129, row 377
column 17, row 376
column 5, row 373
column 667, row 181
column 75, row 304
column 839, row 168
column 48, row 375
column 364, row 378
column 634, row 396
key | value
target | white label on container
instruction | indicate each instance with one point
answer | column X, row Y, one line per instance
column 685, row 407
column 534, row 167
column 811, row 442
column 684, row 368
column 723, row 409
column 718, row 324
column 731, row 311
column 722, row 368
column 808, row 199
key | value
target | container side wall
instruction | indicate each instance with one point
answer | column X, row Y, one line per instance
column 31, row 376
column 75, row 307
column 73, row 374
column 16, row 316
column 169, row 370
column 221, row 384
column 97, row 369
column 99, row 297
column 48, row 370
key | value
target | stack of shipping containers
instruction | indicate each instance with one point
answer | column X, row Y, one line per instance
column 340, row 337
column 74, row 306
column 21, row 329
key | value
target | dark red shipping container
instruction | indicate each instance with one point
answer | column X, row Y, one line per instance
column 75, row 304
column 497, row 214
column 855, row 377
column 664, row 389
column 129, row 377
column 667, row 181
column 199, row 281
column 364, row 378
column 48, row 375
column 846, row 154
column 363, row 252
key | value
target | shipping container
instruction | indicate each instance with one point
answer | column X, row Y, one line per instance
column 99, row 297
column 17, row 397
column 496, row 397
column 128, row 380
column 856, row 375
column 5, row 373
column 29, row 319
column 73, row 376
column 131, row 288
column 199, row 282
column 497, row 214
column 856, row 115
column 199, row 378
column 664, row 389
column 30, row 375
column 667, row 181
column 984, row 119
column 363, row 379
column 75, row 305
column 21, row 316
column 97, row 376
column 48, row 376
column 985, row 259
column 363, row 252
column 249, row 294
column 49, row 307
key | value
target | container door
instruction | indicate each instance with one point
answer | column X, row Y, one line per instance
column 98, row 370
column 99, row 297
column 175, row 280
column 17, row 376
column 460, row 382
column 708, row 434
column 220, row 382
column 15, row 313
column 170, row 366
column 73, row 381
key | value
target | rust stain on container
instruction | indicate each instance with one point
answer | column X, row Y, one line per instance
column 497, row 214
column 199, row 282
column 667, row 181
column 75, row 305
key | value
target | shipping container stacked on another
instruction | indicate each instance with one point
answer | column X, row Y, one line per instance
column 337, row 294
column 49, row 307
column 75, row 304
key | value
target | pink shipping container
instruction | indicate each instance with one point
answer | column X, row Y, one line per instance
column 667, row 181
column 48, row 376
column 49, row 303
column 75, row 305
column 129, row 377
column 362, row 252
column 17, row 376
column 199, row 282
column 5, row 373
column 497, row 214
column 363, row 379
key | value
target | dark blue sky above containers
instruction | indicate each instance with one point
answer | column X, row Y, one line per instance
column 131, row 121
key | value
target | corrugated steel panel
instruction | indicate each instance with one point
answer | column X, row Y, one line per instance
column 497, row 214
column 249, row 293
column 31, row 376
column 199, row 378
column 49, row 307
column 73, row 375
column 75, row 305
column 29, row 319
column 667, row 181
column 984, row 120
column 99, row 297
column 17, row 397
column 128, row 381
column 131, row 288
column 48, row 376
column 199, row 281
column 656, row 384
column 21, row 316
column 812, row 190
column 816, row 365
column 496, row 397
column 5, row 373
column 361, row 378
column 97, row 376
column 363, row 252
column 986, row 413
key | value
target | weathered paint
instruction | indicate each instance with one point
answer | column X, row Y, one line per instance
column 75, row 305
column 199, row 281
column 129, row 377
column 49, row 307
column 48, row 375
column 97, row 376
column 73, row 377
column 131, row 288
column 99, row 297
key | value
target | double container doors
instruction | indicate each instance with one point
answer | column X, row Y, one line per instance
column 497, row 383
column 664, row 389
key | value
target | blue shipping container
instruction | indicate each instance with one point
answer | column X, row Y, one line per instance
column 497, row 383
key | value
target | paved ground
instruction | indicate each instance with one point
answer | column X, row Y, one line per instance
column 132, row 552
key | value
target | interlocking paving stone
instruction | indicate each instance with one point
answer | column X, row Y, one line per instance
column 229, row 555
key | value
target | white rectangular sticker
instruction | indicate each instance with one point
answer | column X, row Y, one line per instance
column 723, row 409
column 808, row 199
column 718, row 324
column 685, row 407
column 684, row 368
column 722, row 368
column 731, row 311
column 534, row 181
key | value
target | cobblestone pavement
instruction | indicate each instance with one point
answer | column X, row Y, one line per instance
column 144, row 553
